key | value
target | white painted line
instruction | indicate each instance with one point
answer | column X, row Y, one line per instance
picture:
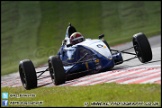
column 132, row 76
column 151, row 80
column 135, row 79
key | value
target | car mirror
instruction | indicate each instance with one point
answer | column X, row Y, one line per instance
column 101, row 36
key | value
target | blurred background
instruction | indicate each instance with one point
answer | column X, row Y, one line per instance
column 34, row 29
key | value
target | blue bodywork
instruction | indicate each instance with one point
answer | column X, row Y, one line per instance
column 79, row 58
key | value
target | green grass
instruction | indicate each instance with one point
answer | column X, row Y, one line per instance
column 19, row 33
column 34, row 29
column 78, row 95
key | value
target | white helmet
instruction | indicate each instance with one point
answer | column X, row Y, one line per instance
column 76, row 37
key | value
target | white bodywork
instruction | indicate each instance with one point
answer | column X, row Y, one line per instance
column 97, row 45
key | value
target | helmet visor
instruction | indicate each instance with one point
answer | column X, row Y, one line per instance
column 78, row 40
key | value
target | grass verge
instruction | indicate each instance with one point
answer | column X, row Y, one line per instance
column 108, row 94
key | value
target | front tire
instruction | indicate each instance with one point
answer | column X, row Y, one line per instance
column 56, row 70
column 27, row 74
column 142, row 47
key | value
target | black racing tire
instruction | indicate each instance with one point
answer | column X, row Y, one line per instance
column 142, row 47
column 27, row 74
column 56, row 70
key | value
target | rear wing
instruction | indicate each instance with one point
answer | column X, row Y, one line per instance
column 70, row 29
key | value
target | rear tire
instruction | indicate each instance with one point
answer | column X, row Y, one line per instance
column 27, row 74
column 142, row 47
column 56, row 70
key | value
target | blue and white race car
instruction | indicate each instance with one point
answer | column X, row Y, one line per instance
column 87, row 56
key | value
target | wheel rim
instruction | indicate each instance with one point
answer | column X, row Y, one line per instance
column 138, row 51
column 23, row 78
column 51, row 70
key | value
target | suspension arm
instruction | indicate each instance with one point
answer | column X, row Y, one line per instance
column 124, row 51
column 78, row 61
column 41, row 72
column 128, row 48
column 128, row 52
column 130, row 59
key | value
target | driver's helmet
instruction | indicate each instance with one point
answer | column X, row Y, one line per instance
column 76, row 37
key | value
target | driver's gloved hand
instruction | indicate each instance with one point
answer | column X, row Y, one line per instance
column 64, row 42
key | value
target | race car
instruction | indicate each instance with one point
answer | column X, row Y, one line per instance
column 88, row 56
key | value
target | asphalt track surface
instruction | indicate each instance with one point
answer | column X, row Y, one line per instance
column 129, row 72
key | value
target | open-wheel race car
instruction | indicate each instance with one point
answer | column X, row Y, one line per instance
column 88, row 55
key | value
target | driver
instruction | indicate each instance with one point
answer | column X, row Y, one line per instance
column 76, row 37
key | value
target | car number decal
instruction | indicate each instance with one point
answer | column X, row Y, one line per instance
column 99, row 46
